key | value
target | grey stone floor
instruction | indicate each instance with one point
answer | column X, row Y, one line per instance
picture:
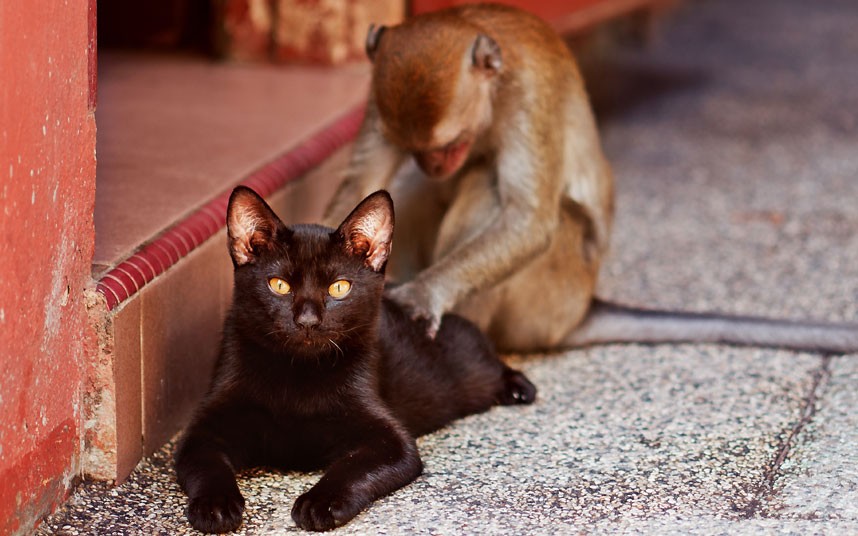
column 734, row 138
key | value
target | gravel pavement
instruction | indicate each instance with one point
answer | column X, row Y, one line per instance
column 734, row 139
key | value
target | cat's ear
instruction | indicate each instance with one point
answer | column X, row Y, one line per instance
column 251, row 225
column 368, row 231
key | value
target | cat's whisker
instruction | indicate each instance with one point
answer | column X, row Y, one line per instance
column 339, row 350
column 353, row 328
column 279, row 332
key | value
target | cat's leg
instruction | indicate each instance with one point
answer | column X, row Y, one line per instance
column 218, row 442
column 384, row 459
column 517, row 389
column 484, row 379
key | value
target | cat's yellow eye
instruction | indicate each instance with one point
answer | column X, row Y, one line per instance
column 339, row 289
column 279, row 286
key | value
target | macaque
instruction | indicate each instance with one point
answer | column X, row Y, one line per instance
column 479, row 125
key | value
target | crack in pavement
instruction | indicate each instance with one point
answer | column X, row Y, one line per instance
column 766, row 488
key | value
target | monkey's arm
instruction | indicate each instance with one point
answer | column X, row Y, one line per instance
column 373, row 163
column 520, row 224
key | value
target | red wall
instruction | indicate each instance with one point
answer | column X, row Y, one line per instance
column 47, row 192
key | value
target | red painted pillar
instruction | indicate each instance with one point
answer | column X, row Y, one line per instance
column 47, row 194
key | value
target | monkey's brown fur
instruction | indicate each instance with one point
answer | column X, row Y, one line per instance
column 521, row 225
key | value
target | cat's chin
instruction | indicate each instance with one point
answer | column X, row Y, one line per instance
column 311, row 343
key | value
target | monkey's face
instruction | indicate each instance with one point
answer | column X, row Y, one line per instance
column 451, row 139
column 432, row 86
column 441, row 149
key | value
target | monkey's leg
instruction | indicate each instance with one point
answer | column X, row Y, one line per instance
column 539, row 305
column 540, row 302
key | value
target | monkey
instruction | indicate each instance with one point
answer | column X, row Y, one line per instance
column 479, row 124
column 490, row 103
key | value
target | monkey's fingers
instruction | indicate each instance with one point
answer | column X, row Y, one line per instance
column 407, row 297
column 424, row 320
column 427, row 323
column 433, row 324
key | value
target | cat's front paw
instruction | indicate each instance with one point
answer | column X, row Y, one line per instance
column 322, row 510
column 517, row 389
column 216, row 512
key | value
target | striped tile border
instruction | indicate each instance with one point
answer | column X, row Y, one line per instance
column 155, row 257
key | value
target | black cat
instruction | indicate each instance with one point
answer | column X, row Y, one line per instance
column 318, row 370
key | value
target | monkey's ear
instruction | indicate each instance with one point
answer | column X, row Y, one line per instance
column 373, row 36
column 486, row 54
column 251, row 225
column 368, row 231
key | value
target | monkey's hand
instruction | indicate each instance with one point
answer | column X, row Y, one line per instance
column 422, row 304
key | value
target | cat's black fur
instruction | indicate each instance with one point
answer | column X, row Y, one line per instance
column 306, row 381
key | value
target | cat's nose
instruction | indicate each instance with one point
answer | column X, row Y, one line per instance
column 308, row 316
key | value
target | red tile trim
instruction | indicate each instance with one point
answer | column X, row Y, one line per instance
column 160, row 252
column 135, row 275
column 173, row 244
column 113, row 291
column 175, row 236
column 126, row 284
column 146, row 269
column 156, row 257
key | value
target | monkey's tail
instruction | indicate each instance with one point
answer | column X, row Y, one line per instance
column 610, row 323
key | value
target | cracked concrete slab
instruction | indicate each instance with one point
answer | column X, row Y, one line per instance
column 819, row 481
column 734, row 139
